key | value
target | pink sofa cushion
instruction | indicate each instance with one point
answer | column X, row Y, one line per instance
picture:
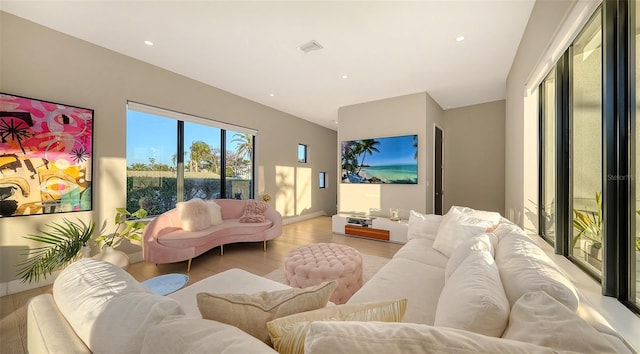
column 180, row 238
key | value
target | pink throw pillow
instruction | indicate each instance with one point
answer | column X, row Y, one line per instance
column 254, row 211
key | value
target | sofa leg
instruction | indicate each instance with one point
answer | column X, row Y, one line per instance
column 221, row 250
column 189, row 265
column 265, row 245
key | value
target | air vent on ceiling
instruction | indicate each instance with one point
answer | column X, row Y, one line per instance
column 310, row 46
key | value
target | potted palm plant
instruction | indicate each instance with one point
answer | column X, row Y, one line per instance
column 589, row 225
column 125, row 229
column 63, row 244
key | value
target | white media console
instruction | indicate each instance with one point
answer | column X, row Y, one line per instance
column 378, row 228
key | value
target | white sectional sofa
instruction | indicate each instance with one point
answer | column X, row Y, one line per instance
column 468, row 291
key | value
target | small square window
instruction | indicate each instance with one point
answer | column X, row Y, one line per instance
column 322, row 179
column 302, row 153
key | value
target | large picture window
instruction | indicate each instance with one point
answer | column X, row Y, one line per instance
column 592, row 140
column 173, row 157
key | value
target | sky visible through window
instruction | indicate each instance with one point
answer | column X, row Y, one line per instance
column 150, row 136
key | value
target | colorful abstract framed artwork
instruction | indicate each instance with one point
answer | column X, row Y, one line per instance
column 45, row 157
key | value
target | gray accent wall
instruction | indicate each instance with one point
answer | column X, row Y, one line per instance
column 474, row 156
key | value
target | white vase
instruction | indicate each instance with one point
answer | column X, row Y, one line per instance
column 86, row 251
column 113, row 256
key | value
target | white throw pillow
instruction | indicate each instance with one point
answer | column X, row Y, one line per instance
column 331, row 337
column 507, row 228
column 108, row 309
column 194, row 214
column 457, row 227
column 540, row 319
column 422, row 225
column 473, row 298
column 524, row 268
column 215, row 212
column 484, row 242
column 491, row 216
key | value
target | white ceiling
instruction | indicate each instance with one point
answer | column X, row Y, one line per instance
column 249, row 48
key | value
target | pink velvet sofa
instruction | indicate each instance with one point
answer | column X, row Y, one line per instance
column 165, row 241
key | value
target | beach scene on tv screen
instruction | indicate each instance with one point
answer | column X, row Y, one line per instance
column 380, row 160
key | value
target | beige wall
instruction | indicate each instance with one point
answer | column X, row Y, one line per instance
column 41, row 63
column 474, row 156
column 404, row 115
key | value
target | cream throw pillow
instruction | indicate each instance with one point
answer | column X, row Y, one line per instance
column 455, row 228
column 288, row 333
column 332, row 337
column 473, row 298
column 540, row 319
column 251, row 312
column 215, row 212
column 194, row 214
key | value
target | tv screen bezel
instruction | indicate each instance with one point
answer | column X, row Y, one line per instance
column 361, row 177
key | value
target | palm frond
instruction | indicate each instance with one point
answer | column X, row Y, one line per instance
column 62, row 246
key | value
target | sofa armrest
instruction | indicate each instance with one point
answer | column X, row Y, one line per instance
column 47, row 329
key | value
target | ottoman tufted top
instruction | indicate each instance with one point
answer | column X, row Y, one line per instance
column 319, row 262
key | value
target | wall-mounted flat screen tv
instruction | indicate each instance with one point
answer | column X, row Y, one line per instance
column 380, row 160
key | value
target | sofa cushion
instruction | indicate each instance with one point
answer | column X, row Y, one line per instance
column 483, row 242
column 473, row 298
column 288, row 333
column 401, row 278
column 254, row 211
column 102, row 302
column 251, row 312
column 231, row 227
column 421, row 250
column 507, row 228
column 455, row 228
column 178, row 334
column 194, row 214
column 329, row 337
column 215, row 212
column 422, row 225
column 540, row 319
column 524, row 267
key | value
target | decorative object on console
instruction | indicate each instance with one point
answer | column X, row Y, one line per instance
column 64, row 243
column 49, row 148
column 394, row 214
column 390, row 160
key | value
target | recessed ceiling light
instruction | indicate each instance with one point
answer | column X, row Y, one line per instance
column 459, row 38
column 149, row 43
column 345, row 76
column 272, row 94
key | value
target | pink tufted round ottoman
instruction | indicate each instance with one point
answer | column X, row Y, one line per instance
column 319, row 262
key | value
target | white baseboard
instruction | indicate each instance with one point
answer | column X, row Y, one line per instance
column 298, row 218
